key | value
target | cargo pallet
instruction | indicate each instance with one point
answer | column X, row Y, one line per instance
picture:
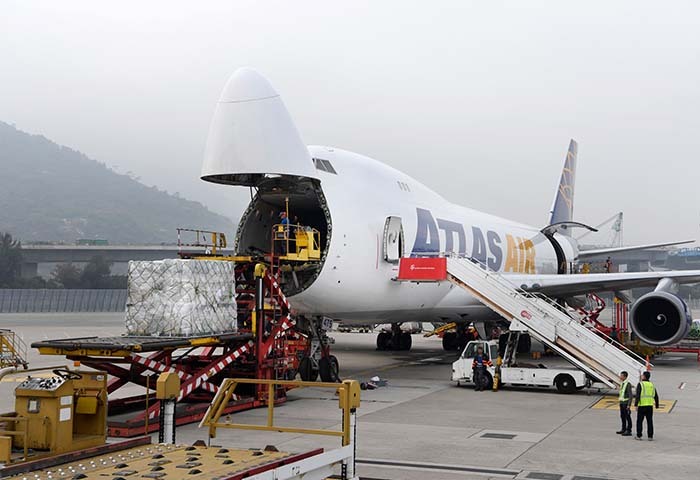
column 266, row 347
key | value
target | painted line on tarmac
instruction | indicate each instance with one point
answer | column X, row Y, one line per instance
column 438, row 467
column 610, row 402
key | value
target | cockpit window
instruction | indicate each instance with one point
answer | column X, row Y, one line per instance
column 324, row 166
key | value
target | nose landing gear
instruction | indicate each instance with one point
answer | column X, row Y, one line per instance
column 318, row 361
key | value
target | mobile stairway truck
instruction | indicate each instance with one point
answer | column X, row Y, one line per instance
column 598, row 359
column 566, row 380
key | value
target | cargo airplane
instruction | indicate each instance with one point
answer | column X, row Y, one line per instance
column 370, row 215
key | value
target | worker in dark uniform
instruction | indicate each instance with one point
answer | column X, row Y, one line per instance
column 282, row 235
column 479, row 365
column 647, row 398
column 472, row 334
column 625, row 398
column 615, row 336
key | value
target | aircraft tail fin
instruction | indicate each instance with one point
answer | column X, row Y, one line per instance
column 563, row 205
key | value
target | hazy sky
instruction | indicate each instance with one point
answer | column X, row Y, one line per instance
column 476, row 99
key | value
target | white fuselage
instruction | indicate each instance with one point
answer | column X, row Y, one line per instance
column 356, row 283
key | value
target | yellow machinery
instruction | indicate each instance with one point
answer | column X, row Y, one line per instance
column 61, row 413
column 137, row 458
column 13, row 351
column 319, row 466
column 213, row 242
column 442, row 329
column 348, row 401
column 295, row 243
column 306, row 242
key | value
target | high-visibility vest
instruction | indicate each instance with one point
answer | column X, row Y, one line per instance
column 646, row 398
column 623, row 391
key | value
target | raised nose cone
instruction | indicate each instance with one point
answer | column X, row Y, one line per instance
column 252, row 134
column 247, row 84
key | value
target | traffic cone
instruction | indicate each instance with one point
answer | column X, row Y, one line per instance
column 648, row 365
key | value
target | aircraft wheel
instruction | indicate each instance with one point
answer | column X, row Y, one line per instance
column 461, row 343
column 406, row 341
column 307, row 371
column 328, row 368
column 449, row 341
column 383, row 341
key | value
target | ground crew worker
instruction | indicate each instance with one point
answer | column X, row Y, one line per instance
column 647, row 398
column 608, row 265
column 479, row 365
column 625, row 398
column 282, row 235
column 615, row 336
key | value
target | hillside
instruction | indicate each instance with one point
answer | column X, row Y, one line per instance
column 49, row 192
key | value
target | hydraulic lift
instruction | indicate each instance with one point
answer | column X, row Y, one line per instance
column 268, row 345
column 258, row 350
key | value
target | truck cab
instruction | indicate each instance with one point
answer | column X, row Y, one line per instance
column 462, row 368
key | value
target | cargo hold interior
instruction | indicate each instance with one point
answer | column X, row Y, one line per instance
column 306, row 204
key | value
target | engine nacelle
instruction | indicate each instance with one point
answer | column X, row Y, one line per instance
column 660, row 318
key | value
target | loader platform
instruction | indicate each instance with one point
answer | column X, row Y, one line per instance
column 125, row 345
column 267, row 345
column 140, row 458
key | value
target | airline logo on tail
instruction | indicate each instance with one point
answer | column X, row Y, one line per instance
column 563, row 206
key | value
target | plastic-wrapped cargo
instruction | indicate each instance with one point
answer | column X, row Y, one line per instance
column 180, row 298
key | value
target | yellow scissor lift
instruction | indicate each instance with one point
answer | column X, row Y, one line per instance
column 295, row 243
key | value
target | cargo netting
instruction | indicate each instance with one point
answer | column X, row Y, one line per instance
column 181, row 298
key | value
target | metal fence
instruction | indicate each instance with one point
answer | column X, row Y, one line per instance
column 58, row 300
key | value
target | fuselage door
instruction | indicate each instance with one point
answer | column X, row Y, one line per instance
column 393, row 239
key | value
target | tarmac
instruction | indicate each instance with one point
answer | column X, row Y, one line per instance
column 422, row 426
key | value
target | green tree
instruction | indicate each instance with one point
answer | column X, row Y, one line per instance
column 67, row 275
column 10, row 260
column 96, row 273
column 34, row 282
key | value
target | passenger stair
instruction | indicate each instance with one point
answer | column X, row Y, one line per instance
column 600, row 357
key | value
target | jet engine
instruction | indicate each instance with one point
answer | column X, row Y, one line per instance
column 660, row 318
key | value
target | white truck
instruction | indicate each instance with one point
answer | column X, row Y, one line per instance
column 566, row 380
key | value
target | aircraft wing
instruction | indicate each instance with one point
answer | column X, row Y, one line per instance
column 599, row 252
column 580, row 284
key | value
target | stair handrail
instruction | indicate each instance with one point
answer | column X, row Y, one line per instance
column 507, row 286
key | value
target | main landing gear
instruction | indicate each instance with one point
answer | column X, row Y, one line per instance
column 317, row 361
column 455, row 341
column 396, row 339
